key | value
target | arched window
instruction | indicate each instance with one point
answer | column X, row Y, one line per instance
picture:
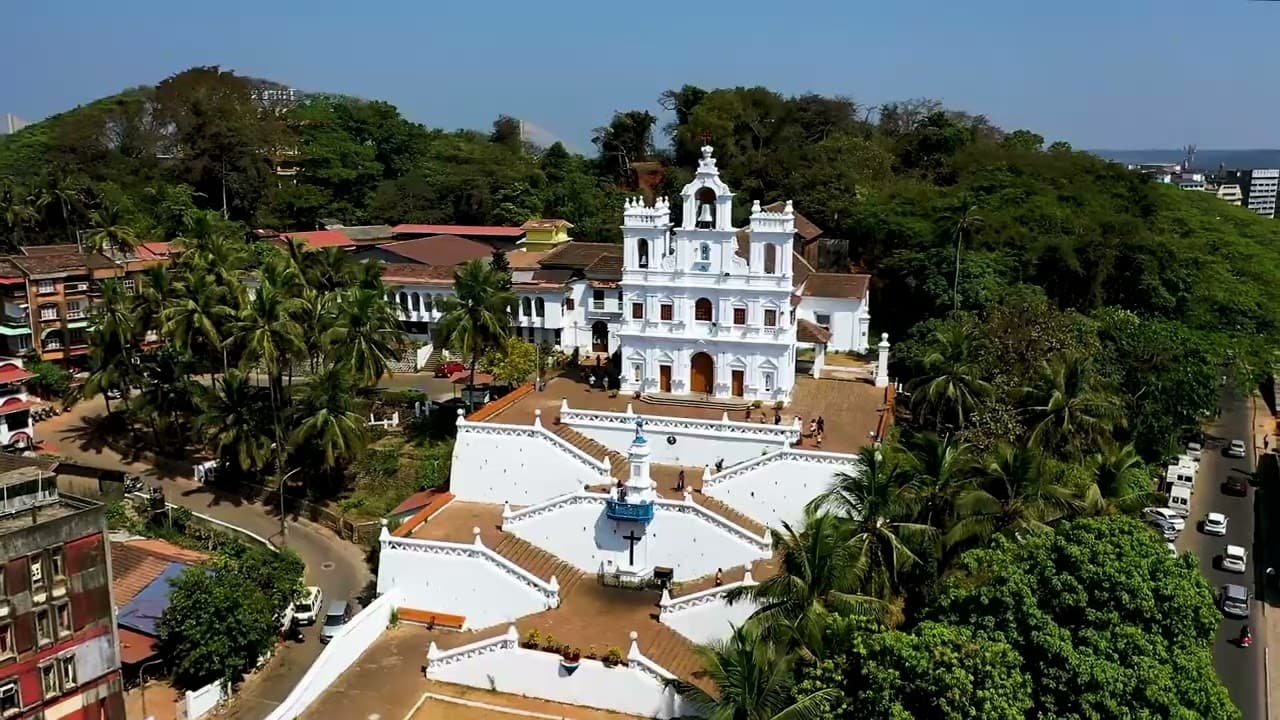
column 642, row 251
column 770, row 259
column 404, row 301
column 704, row 252
column 702, row 310
column 526, row 307
column 416, row 302
column 539, row 307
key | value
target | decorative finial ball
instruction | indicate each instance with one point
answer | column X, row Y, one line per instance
column 884, row 336
column 475, row 531
column 537, row 412
column 634, row 635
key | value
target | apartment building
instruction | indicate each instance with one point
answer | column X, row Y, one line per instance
column 48, row 294
column 58, row 656
column 1259, row 188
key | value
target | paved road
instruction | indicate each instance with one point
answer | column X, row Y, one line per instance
column 337, row 566
column 1241, row 670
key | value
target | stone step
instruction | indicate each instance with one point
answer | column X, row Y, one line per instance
column 619, row 466
column 730, row 514
column 539, row 563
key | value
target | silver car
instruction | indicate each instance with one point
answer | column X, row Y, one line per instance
column 1234, row 559
column 1235, row 449
column 335, row 617
column 1233, row 600
column 1214, row 524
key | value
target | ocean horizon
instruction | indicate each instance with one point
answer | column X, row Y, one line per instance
column 1205, row 159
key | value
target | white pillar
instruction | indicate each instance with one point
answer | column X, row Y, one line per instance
column 819, row 359
column 882, row 366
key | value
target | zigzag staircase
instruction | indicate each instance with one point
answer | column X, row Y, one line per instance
column 618, row 465
column 540, row 563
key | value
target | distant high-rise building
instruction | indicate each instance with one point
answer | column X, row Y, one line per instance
column 12, row 124
column 1259, row 188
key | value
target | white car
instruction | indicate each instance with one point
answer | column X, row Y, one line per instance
column 1235, row 449
column 307, row 609
column 1195, row 450
column 1164, row 515
column 1214, row 524
column 1234, row 559
column 1173, row 551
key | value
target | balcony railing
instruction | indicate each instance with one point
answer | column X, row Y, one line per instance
column 623, row 510
column 15, row 320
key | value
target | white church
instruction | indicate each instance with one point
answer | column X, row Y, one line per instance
column 617, row 522
column 699, row 308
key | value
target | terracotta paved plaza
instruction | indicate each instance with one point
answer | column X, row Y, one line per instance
column 849, row 409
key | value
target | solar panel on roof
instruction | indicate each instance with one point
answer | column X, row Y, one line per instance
column 144, row 610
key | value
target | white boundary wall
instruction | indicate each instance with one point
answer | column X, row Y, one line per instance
column 774, row 488
column 344, row 649
column 685, row 536
column 459, row 579
column 698, row 442
column 705, row 617
column 198, row 703
column 519, row 464
column 639, row 688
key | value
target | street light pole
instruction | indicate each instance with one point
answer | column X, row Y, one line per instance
column 284, row 529
column 143, row 691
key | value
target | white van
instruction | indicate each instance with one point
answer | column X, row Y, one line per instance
column 1181, row 473
column 1180, row 500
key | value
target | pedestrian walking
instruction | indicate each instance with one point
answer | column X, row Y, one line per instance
column 680, row 480
column 822, row 425
column 813, row 427
column 777, row 418
column 819, row 438
column 719, row 577
column 719, row 464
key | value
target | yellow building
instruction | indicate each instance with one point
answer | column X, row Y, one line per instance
column 543, row 234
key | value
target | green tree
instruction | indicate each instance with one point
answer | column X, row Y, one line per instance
column 953, row 385
column 476, row 318
column 754, row 680
column 934, row 671
column 1070, row 407
column 512, row 364
column 1107, row 624
column 326, row 422
column 939, row 469
column 233, row 421
column 365, row 335
column 817, row 576
column 871, row 499
column 1018, row 492
column 197, row 318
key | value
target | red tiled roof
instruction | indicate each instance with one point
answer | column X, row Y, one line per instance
column 486, row 230
column 46, row 250
column 414, row 273
column 579, row 255
column 159, row 249
column 420, row 499
column 134, row 646
column 440, row 249
column 11, row 373
column 463, row 377
column 836, row 285
column 807, row 331
column 321, row 238
column 804, row 226
column 14, row 405
column 136, row 563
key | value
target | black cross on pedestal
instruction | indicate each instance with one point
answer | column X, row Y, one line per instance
column 632, row 539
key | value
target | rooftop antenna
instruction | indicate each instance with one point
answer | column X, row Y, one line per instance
column 1188, row 157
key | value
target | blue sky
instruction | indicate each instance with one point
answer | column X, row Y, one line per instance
column 1113, row 74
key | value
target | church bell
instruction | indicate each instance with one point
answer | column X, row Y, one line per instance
column 704, row 215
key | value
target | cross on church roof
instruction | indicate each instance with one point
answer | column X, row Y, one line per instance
column 705, row 135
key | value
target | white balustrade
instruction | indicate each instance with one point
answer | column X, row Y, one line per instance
column 550, row 590
column 814, row 457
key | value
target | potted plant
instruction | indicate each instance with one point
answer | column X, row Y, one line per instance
column 550, row 644
column 591, row 653
column 569, row 659
column 533, row 639
column 613, row 656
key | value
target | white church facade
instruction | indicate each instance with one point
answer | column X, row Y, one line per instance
column 706, row 313
column 693, row 305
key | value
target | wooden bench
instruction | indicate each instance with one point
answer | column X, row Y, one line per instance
column 432, row 619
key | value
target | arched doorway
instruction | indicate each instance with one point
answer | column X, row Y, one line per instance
column 702, row 373
column 600, row 336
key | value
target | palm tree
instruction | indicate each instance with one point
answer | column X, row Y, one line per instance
column 195, row 320
column 754, row 679
column 1016, row 493
column 366, row 332
column 271, row 337
column 326, row 270
column 114, row 346
column 1120, row 478
column 476, row 318
column 878, row 510
column 68, row 192
column 327, row 421
column 967, row 222
column 232, row 421
column 18, row 208
column 816, row 577
column 939, row 469
column 1071, row 407
column 952, row 386
column 154, row 296
column 111, row 233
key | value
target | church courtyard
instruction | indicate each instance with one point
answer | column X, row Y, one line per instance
column 851, row 409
